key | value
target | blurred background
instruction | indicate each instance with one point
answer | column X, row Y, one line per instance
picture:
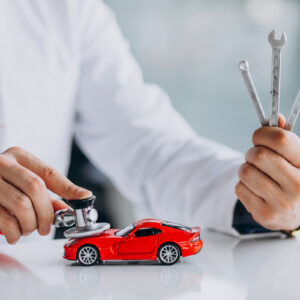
column 191, row 49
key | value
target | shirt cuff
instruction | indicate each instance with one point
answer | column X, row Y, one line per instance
column 243, row 222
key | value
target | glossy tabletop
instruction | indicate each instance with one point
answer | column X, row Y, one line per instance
column 226, row 268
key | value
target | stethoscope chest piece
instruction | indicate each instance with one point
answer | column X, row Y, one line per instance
column 83, row 215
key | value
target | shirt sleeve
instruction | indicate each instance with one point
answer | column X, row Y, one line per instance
column 130, row 131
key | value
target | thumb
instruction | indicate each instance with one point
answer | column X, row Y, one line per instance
column 281, row 121
column 54, row 180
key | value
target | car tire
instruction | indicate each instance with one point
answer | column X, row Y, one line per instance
column 88, row 255
column 168, row 253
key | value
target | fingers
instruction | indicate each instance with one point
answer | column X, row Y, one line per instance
column 24, row 198
column 35, row 190
column 18, row 205
column 256, row 206
column 284, row 142
column 9, row 226
column 54, row 180
column 59, row 204
column 274, row 165
column 269, row 184
column 260, row 184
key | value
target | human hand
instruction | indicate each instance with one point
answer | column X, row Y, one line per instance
column 25, row 204
column 269, row 185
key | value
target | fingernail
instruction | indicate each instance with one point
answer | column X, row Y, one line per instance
column 45, row 230
column 83, row 192
column 26, row 234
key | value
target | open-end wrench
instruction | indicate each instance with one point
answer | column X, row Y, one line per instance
column 244, row 68
column 275, row 75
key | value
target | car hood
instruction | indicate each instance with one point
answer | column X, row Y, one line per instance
column 106, row 234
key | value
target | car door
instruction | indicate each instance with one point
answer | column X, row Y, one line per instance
column 141, row 241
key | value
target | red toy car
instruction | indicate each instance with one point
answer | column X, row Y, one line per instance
column 147, row 239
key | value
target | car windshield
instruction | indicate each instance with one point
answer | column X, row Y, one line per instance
column 176, row 225
column 125, row 231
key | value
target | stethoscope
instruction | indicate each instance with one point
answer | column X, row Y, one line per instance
column 83, row 216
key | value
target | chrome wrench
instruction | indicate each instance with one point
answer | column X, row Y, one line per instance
column 244, row 68
column 275, row 75
column 291, row 120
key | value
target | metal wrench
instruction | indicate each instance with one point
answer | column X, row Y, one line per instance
column 291, row 120
column 275, row 75
column 244, row 68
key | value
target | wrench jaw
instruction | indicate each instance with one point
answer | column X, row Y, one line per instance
column 243, row 66
column 274, row 42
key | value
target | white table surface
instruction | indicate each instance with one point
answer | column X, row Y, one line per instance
column 226, row 268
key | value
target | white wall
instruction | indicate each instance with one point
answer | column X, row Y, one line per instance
column 191, row 48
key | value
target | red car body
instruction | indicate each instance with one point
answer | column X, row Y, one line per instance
column 133, row 244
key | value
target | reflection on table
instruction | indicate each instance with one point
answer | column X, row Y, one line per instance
column 226, row 268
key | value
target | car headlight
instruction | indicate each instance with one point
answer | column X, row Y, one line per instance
column 71, row 243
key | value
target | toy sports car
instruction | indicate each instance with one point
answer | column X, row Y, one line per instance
column 147, row 239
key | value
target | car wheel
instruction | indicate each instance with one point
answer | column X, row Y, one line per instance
column 88, row 255
column 168, row 254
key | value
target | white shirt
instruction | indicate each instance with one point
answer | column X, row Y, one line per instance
column 66, row 69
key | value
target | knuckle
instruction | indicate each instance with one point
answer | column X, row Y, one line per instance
column 238, row 188
column 242, row 194
column 244, row 171
column 239, row 191
column 280, row 138
column 49, row 172
column 256, row 135
column 259, row 154
column 23, row 203
column 15, row 149
column 35, row 183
